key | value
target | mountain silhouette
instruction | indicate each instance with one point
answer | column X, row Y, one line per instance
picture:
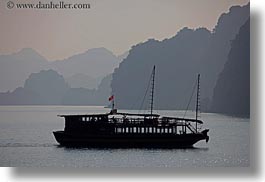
column 44, row 88
column 123, row 56
column 94, row 64
column 81, row 80
column 84, row 96
column 26, row 77
column 225, row 31
column 97, row 62
column 15, row 68
column 178, row 60
column 232, row 91
column 50, row 88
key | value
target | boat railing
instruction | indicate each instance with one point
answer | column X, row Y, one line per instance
column 145, row 121
column 126, row 120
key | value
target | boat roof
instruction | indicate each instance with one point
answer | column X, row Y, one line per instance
column 131, row 114
column 84, row 115
column 134, row 114
column 185, row 119
column 107, row 114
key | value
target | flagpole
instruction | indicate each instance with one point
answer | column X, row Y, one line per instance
column 113, row 104
column 111, row 99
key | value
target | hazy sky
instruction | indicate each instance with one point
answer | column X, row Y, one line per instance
column 113, row 24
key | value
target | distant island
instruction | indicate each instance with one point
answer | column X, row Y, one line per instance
column 49, row 88
column 81, row 70
column 221, row 57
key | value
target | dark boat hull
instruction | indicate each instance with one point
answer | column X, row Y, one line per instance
column 129, row 141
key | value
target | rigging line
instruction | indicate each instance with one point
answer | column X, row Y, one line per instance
column 145, row 93
column 190, row 99
column 147, row 89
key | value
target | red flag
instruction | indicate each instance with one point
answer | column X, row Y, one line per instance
column 111, row 98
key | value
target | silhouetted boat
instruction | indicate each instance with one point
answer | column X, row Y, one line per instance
column 119, row 130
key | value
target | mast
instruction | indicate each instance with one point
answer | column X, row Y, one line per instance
column 197, row 100
column 152, row 90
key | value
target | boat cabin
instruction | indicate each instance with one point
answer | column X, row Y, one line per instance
column 127, row 123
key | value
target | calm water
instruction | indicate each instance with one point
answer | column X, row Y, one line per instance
column 26, row 140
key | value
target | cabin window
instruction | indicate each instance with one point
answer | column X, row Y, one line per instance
column 142, row 130
column 166, row 130
column 150, row 130
column 158, row 130
column 127, row 130
column 180, row 130
column 134, row 130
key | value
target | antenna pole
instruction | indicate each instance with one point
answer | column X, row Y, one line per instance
column 197, row 100
column 152, row 90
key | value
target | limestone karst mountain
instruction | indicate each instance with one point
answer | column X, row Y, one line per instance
column 232, row 91
column 94, row 63
column 178, row 59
